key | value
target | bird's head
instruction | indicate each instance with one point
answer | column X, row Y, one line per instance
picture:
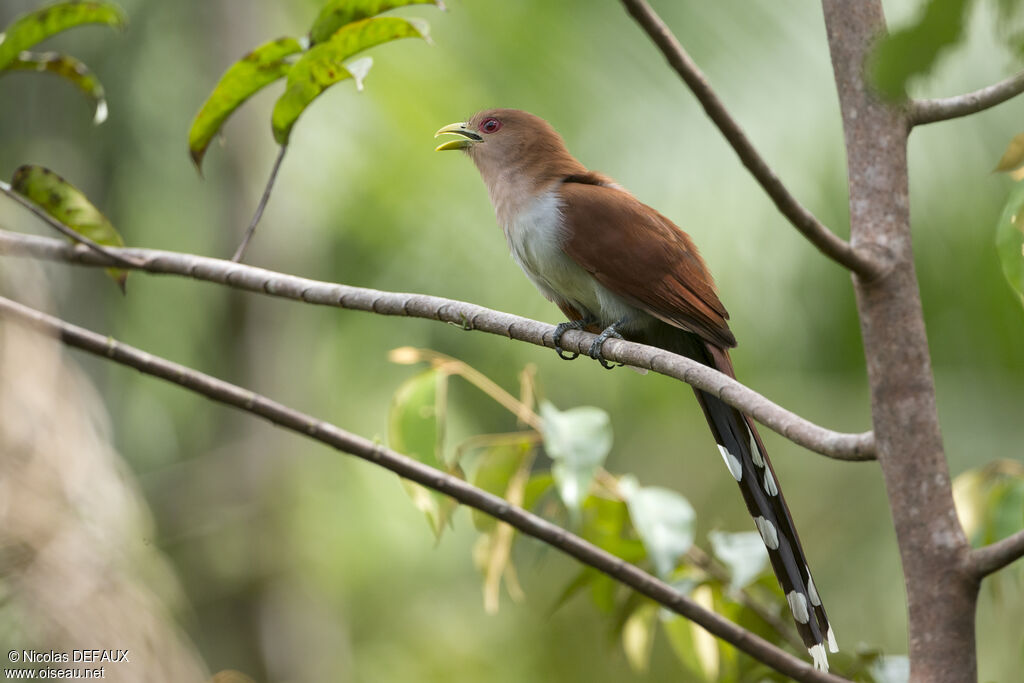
column 504, row 142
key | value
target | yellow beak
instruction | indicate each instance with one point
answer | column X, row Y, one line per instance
column 469, row 138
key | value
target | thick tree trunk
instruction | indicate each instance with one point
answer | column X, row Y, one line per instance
column 941, row 595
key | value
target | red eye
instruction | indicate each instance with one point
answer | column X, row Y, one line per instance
column 490, row 125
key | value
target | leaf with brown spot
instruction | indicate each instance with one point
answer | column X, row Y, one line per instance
column 338, row 13
column 35, row 27
column 242, row 80
column 68, row 68
column 323, row 65
column 67, row 204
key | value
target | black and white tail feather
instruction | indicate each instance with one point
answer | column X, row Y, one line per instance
column 747, row 460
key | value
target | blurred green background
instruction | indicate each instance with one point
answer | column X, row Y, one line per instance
column 299, row 564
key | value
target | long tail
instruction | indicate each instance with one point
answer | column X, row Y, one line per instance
column 747, row 460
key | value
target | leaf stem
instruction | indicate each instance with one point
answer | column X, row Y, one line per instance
column 260, row 207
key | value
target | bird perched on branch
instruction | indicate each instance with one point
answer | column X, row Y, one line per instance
column 618, row 268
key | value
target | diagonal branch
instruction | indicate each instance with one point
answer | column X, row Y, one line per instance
column 803, row 220
column 405, row 467
column 943, row 109
column 117, row 259
column 992, row 558
column 837, row 445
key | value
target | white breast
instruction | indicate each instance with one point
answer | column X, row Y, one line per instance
column 535, row 237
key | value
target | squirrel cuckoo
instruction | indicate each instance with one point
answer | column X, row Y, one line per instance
column 616, row 266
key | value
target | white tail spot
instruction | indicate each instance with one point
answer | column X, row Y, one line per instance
column 768, row 533
column 769, row 482
column 755, row 452
column 731, row 462
column 820, row 658
column 812, row 592
column 832, row 645
column 798, row 606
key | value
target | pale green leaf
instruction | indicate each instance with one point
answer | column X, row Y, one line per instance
column 1010, row 240
column 495, row 469
column 578, row 441
column 1013, row 157
column 638, row 637
column 242, row 80
column 415, row 429
column 338, row 13
column 665, row 522
column 324, row 65
column 891, row 669
column 36, row 26
column 68, row 68
column 743, row 553
column 67, row 204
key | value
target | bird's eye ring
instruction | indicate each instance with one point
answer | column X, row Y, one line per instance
column 490, row 126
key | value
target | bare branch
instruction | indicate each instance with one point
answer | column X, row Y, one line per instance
column 837, row 445
column 116, row 258
column 260, row 207
column 405, row 467
column 992, row 558
column 803, row 220
column 943, row 109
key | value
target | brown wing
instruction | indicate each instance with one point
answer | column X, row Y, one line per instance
column 643, row 257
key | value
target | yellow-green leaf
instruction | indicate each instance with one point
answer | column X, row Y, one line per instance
column 67, row 204
column 69, row 69
column 416, row 429
column 324, row 65
column 242, row 80
column 35, row 27
column 494, row 473
column 1013, row 157
column 338, row 13
column 638, row 637
column 1010, row 240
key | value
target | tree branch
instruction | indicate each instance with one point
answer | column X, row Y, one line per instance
column 803, row 220
column 115, row 258
column 992, row 558
column 837, row 445
column 405, row 467
column 943, row 109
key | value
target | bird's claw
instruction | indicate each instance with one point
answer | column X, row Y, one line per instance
column 561, row 329
column 610, row 332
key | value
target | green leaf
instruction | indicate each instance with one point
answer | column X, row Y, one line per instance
column 578, row 441
column 415, row 429
column 68, row 68
column 665, row 521
column 743, row 553
column 338, row 13
column 323, row 65
column 913, row 50
column 1010, row 240
column 1013, row 157
column 242, row 80
column 493, row 474
column 638, row 637
column 35, row 27
column 67, row 204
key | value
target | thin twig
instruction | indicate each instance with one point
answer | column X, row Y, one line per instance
column 943, row 109
column 837, row 445
column 119, row 259
column 260, row 207
column 992, row 558
column 803, row 220
column 525, row 522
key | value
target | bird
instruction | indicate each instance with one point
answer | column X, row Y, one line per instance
column 618, row 268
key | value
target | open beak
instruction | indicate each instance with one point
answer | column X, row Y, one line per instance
column 468, row 139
